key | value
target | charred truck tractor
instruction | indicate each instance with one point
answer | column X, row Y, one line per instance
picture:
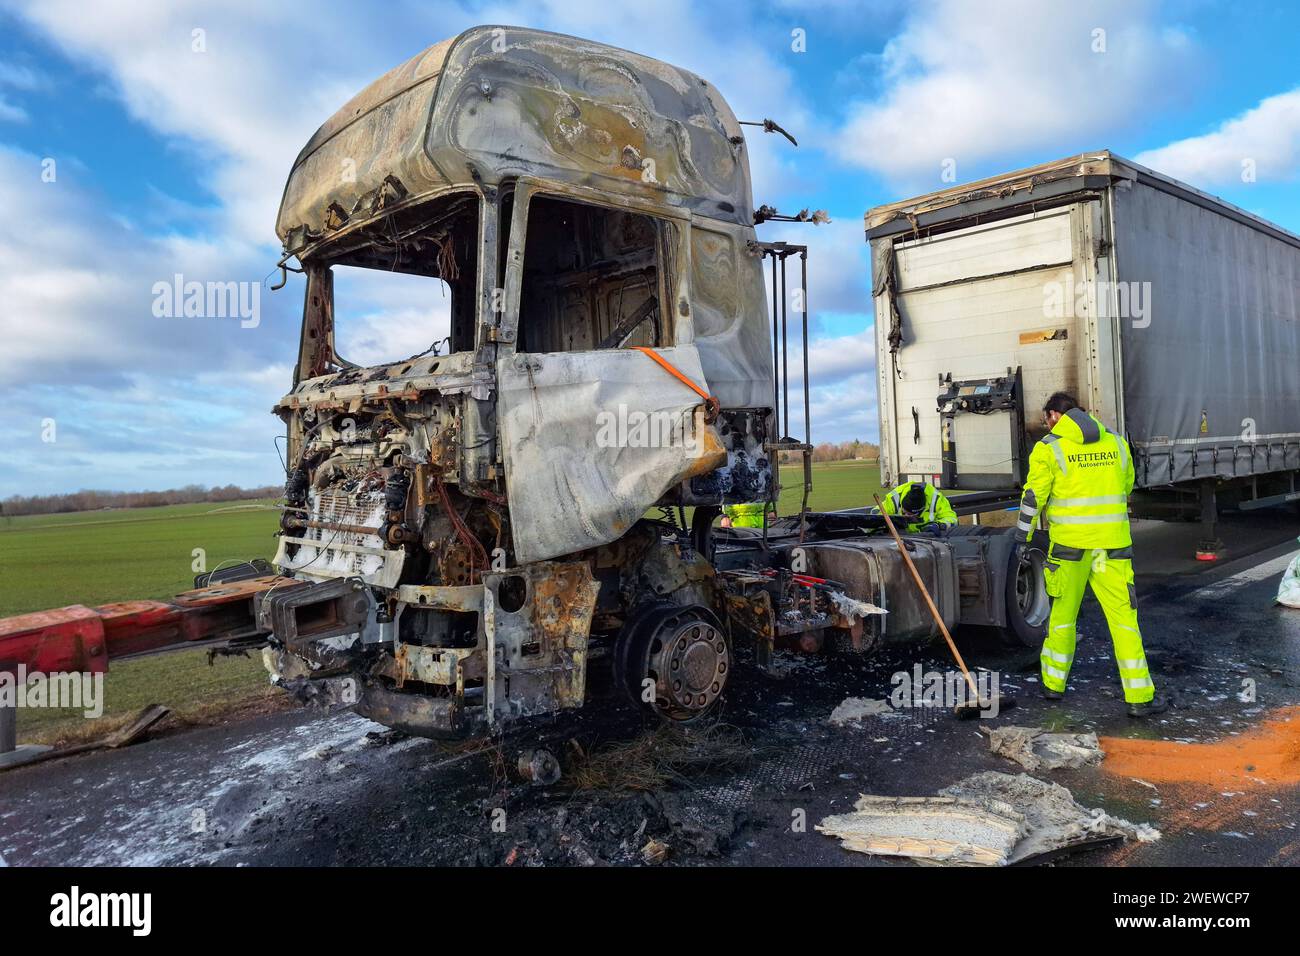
column 465, row 540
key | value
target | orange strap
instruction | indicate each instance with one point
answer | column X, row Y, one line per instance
column 710, row 403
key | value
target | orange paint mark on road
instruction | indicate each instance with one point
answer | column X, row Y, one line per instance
column 1267, row 755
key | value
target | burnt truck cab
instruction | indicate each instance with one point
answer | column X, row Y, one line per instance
column 465, row 540
column 460, row 526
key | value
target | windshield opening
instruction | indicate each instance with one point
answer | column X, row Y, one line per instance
column 408, row 285
column 386, row 317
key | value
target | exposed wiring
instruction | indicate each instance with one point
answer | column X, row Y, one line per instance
column 280, row 454
column 432, row 348
column 478, row 554
column 321, row 548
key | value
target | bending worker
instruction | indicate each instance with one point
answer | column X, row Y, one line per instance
column 922, row 506
column 744, row 515
column 1080, row 476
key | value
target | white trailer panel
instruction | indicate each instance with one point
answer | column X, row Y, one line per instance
column 1173, row 316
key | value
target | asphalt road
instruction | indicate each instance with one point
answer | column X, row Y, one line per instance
column 304, row 787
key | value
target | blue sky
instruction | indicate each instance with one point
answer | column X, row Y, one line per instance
column 169, row 160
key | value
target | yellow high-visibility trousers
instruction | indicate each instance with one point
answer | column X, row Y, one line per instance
column 1067, row 572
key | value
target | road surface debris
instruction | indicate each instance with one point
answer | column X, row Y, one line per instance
column 654, row 852
column 1037, row 749
column 987, row 819
column 851, row 711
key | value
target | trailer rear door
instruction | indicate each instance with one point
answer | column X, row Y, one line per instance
column 974, row 303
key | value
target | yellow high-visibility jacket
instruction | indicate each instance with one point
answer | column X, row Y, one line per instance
column 937, row 510
column 745, row 516
column 1080, row 476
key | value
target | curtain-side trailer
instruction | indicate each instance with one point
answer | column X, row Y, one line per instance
column 1170, row 314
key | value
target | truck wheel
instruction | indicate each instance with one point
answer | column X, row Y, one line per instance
column 672, row 660
column 1027, row 603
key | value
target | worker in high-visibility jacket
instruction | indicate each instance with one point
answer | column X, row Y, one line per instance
column 744, row 515
column 922, row 506
column 1080, row 476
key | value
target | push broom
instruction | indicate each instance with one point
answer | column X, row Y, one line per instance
column 968, row 710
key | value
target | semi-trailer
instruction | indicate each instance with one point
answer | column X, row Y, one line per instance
column 1170, row 314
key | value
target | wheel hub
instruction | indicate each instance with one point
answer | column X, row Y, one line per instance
column 674, row 660
column 691, row 666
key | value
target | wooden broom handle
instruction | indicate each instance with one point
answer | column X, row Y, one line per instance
column 925, row 592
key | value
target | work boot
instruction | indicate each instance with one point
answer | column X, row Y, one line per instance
column 1156, row 705
column 1048, row 694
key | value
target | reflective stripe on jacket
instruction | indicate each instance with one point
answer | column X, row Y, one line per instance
column 1080, row 476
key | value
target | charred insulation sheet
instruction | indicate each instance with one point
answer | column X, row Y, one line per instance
column 986, row 819
column 575, row 481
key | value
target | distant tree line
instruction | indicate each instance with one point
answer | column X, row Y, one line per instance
column 90, row 500
column 844, row 451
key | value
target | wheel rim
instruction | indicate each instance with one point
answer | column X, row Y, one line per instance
column 1031, row 592
column 679, row 653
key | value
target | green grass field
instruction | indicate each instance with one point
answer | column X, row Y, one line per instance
column 97, row 557
column 836, row 485
column 100, row 556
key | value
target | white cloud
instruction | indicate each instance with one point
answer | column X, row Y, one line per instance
column 78, row 296
column 833, row 360
column 246, row 102
column 11, row 112
column 1264, row 140
column 211, row 428
column 839, row 263
column 843, row 412
column 842, row 392
column 21, row 77
column 970, row 82
column 139, row 400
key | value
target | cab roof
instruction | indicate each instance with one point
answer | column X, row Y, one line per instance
column 498, row 102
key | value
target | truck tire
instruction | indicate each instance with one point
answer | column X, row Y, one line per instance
column 680, row 652
column 1027, row 603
